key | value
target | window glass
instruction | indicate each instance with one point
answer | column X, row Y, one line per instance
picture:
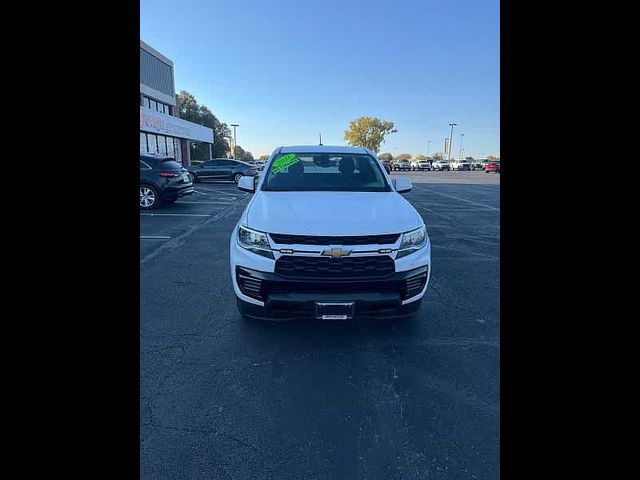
column 177, row 150
column 325, row 172
column 170, row 148
column 162, row 144
column 152, row 143
column 143, row 142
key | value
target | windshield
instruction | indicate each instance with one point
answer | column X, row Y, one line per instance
column 324, row 172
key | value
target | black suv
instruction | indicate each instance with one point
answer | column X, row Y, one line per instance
column 222, row 169
column 162, row 180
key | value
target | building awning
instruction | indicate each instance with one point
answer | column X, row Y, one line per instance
column 156, row 122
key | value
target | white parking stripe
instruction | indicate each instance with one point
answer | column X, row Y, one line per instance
column 462, row 199
column 201, row 193
column 154, row 237
column 175, row 215
column 204, row 202
column 219, row 191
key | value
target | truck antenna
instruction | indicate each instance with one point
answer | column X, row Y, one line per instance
column 320, row 138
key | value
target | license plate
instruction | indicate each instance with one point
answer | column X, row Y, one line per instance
column 334, row 310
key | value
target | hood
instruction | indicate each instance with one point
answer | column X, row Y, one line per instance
column 331, row 213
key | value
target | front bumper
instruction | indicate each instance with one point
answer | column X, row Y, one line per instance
column 281, row 297
column 285, row 298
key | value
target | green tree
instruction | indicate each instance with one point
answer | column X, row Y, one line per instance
column 403, row 156
column 385, row 157
column 421, row 157
column 492, row 157
column 368, row 132
column 190, row 110
column 438, row 156
column 264, row 158
column 243, row 155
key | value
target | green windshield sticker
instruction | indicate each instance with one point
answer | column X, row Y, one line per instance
column 284, row 162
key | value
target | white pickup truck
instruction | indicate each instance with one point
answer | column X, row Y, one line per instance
column 460, row 165
column 441, row 165
column 328, row 234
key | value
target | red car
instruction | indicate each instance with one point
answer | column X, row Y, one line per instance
column 492, row 167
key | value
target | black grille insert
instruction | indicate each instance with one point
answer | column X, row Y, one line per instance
column 325, row 267
column 414, row 285
column 249, row 285
column 329, row 240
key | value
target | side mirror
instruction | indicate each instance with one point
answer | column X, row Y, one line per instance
column 403, row 184
column 247, row 184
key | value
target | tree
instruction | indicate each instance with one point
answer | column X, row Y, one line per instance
column 243, row 155
column 385, row 157
column 492, row 157
column 264, row 158
column 438, row 156
column 189, row 110
column 368, row 132
column 421, row 157
column 403, row 156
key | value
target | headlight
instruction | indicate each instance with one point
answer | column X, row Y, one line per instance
column 412, row 241
column 254, row 241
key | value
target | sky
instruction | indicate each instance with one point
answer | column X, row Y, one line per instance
column 286, row 70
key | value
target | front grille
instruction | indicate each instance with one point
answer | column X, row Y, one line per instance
column 249, row 285
column 414, row 285
column 286, row 239
column 325, row 267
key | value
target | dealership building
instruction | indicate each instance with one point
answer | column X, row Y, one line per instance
column 161, row 129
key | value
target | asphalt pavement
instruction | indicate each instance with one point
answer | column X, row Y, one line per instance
column 223, row 397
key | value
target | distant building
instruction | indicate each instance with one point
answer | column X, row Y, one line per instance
column 161, row 131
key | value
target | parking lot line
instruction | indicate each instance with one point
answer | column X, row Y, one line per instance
column 154, row 237
column 219, row 191
column 205, row 202
column 175, row 215
column 462, row 199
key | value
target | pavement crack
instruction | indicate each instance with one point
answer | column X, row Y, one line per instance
column 207, row 432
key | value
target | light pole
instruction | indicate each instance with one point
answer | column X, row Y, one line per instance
column 428, row 145
column 460, row 155
column 235, row 142
column 451, row 139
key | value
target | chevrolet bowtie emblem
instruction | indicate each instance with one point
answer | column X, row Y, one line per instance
column 336, row 252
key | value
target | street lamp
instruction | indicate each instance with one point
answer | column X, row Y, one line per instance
column 235, row 142
column 460, row 155
column 451, row 139
column 428, row 144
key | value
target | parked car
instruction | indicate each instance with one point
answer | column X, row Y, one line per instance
column 492, row 166
column 387, row 165
column 162, row 180
column 222, row 169
column 328, row 235
column 460, row 165
column 477, row 165
column 421, row 165
column 441, row 165
column 402, row 165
